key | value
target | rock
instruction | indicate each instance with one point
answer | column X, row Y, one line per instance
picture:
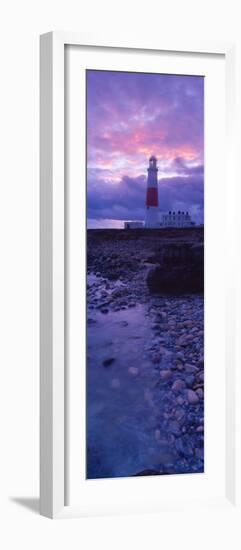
column 179, row 414
column 199, row 453
column 108, row 362
column 188, row 323
column 102, row 305
column 165, row 374
column 190, row 379
column 165, row 351
column 200, row 429
column 133, row 370
column 170, row 438
column 191, row 368
column 183, row 448
column 123, row 303
column 180, row 400
column 174, row 427
column 182, row 341
column 178, row 385
column 163, row 315
column 173, row 366
column 192, row 397
column 180, row 357
column 200, row 377
column 181, row 270
column 200, row 393
column 179, row 366
column 155, row 327
column 156, row 359
column 91, row 321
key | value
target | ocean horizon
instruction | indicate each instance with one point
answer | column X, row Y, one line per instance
column 106, row 223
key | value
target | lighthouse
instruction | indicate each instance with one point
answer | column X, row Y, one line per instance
column 152, row 210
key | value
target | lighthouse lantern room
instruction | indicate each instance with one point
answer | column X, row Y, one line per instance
column 152, row 208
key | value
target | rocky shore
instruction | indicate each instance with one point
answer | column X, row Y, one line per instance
column 149, row 286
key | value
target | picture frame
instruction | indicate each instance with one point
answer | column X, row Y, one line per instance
column 53, row 379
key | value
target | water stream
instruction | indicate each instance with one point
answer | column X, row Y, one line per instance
column 121, row 379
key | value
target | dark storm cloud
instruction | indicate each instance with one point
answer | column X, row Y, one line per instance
column 126, row 200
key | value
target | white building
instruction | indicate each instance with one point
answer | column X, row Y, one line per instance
column 176, row 219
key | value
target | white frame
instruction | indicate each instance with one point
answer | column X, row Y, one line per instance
column 52, row 266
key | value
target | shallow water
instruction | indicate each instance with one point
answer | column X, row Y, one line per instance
column 121, row 415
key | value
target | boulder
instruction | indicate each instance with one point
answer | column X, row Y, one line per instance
column 180, row 270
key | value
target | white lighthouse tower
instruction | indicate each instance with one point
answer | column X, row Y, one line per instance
column 152, row 210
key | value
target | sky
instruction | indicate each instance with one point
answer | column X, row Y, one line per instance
column 131, row 116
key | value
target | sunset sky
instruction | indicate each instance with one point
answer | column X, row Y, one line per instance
column 131, row 116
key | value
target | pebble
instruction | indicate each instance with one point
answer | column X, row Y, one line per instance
column 180, row 357
column 156, row 359
column 179, row 366
column 200, row 429
column 108, row 362
column 182, row 341
column 165, row 351
column 155, row 327
column 191, row 368
column 178, row 385
column 123, row 323
column 188, row 323
column 91, row 321
column 200, row 377
column 133, row 370
column 192, row 397
column 199, row 453
column 174, row 427
column 165, row 374
column 190, row 379
column 180, row 400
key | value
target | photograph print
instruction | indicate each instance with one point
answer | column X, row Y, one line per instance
column 145, row 274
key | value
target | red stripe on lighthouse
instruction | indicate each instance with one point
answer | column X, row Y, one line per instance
column 151, row 196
